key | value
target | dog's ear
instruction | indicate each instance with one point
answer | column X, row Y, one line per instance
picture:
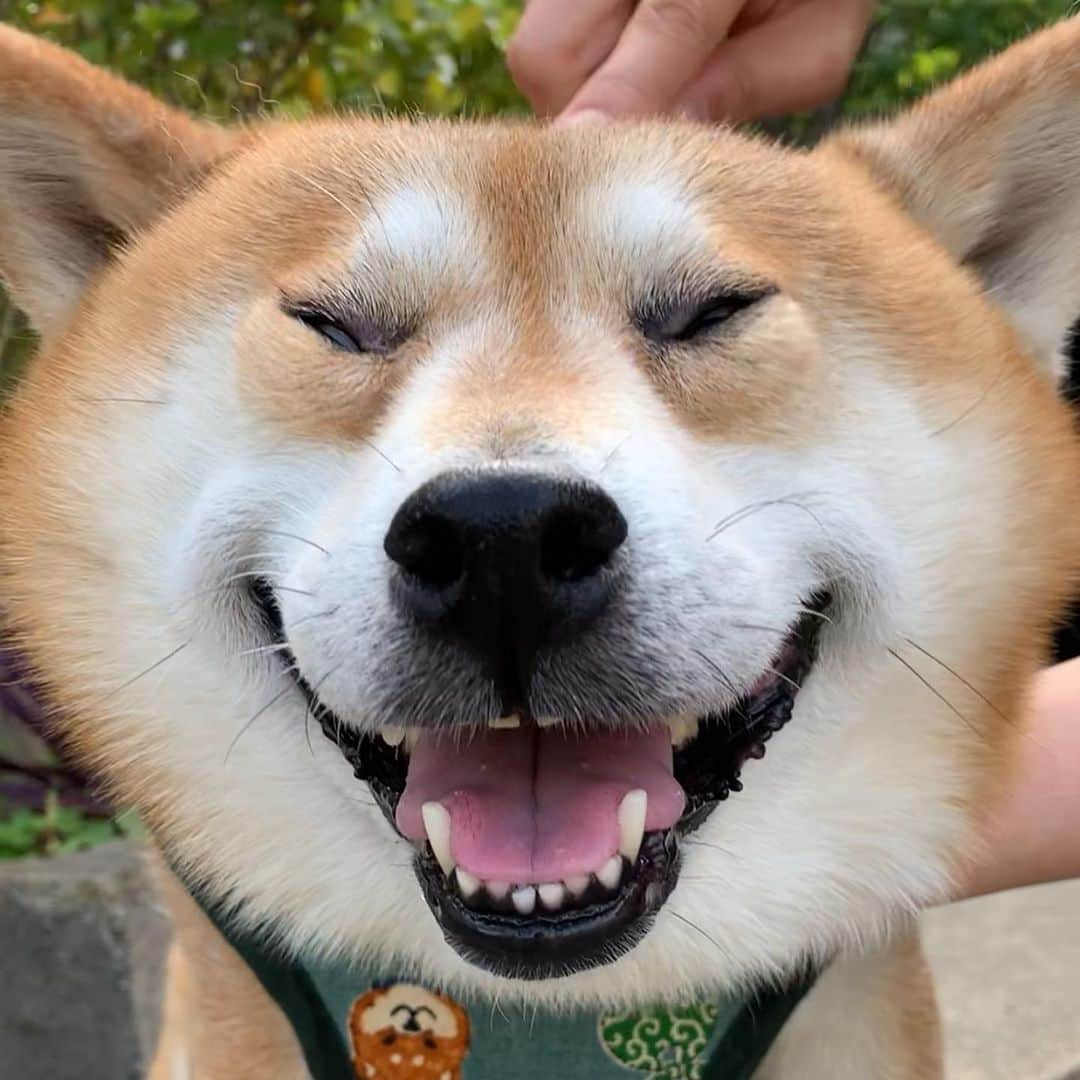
column 991, row 165
column 85, row 159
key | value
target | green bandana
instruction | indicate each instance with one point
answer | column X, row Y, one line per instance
column 355, row 1023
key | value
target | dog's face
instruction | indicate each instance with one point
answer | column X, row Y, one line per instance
column 596, row 565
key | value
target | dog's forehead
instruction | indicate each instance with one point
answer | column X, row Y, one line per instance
column 524, row 199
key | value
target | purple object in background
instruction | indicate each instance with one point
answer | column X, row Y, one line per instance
column 16, row 697
column 31, row 766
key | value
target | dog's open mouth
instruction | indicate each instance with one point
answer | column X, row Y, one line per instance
column 543, row 850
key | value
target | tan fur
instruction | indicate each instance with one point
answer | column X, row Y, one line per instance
column 106, row 152
column 886, row 999
column 861, row 239
column 217, row 1021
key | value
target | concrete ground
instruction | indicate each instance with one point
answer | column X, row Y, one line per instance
column 1007, row 969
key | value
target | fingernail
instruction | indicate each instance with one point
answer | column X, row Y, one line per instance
column 582, row 116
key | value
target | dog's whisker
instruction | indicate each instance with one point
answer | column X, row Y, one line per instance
column 693, row 841
column 124, row 400
column 307, row 708
column 240, row 575
column 281, row 646
column 230, row 584
column 261, row 711
column 297, row 537
column 371, row 446
column 816, row 614
column 737, row 516
column 261, row 574
column 724, row 678
column 780, row 675
column 694, row 926
column 146, row 671
column 959, row 678
column 937, row 693
column 296, row 592
column 299, row 174
column 965, row 413
column 252, row 556
column 362, row 802
column 208, row 591
column 259, row 531
column 611, row 456
column 330, row 611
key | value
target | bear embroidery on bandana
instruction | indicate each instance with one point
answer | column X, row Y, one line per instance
column 663, row 1044
column 405, row 1032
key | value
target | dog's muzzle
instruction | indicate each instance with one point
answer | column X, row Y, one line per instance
column 544, row 844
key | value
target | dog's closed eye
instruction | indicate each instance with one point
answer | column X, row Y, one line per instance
column 682, row 319
column 352, row 333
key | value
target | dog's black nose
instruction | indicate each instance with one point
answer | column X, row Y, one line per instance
column 506, row 563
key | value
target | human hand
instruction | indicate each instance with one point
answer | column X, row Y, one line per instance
column 1033, row 834
column 730, row 60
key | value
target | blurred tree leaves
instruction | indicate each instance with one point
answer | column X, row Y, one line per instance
column 441, row 56
column 297, row 56
column 916, row 44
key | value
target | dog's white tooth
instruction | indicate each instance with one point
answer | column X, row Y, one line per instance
column 683, row 730
column 546, row 721
column 392, row 735
column 412, row 737
column 437, row 826
column 506, row 722
column 632, row 811
column 524, row 899
column 497, row 890
column 468, row 885
column 577, row 884
column 552, row 895
column 610, row 874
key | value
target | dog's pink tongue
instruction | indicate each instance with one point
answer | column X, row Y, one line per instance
column 538, row 805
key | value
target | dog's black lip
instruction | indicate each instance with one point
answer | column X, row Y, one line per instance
column 546, row 945
column 549, row 945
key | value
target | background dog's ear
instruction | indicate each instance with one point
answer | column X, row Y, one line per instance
column 85, row 159
column 991, row 165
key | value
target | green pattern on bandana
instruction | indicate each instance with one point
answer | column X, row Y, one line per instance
column 665, row 1044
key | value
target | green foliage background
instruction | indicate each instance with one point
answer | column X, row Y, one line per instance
column 229, row 59
column 442, row 56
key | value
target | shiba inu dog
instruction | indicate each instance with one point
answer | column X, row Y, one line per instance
column 587, row 567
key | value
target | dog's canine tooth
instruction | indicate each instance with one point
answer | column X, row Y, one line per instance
column 437, row 826
column 576, row 884
column 497, row 890
column 552, row 895
column 632, row 811
column 392, row 735
column 467, row 885
column 505, row 722
column 683, row 730
column 610, row 874
column 524, row 899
